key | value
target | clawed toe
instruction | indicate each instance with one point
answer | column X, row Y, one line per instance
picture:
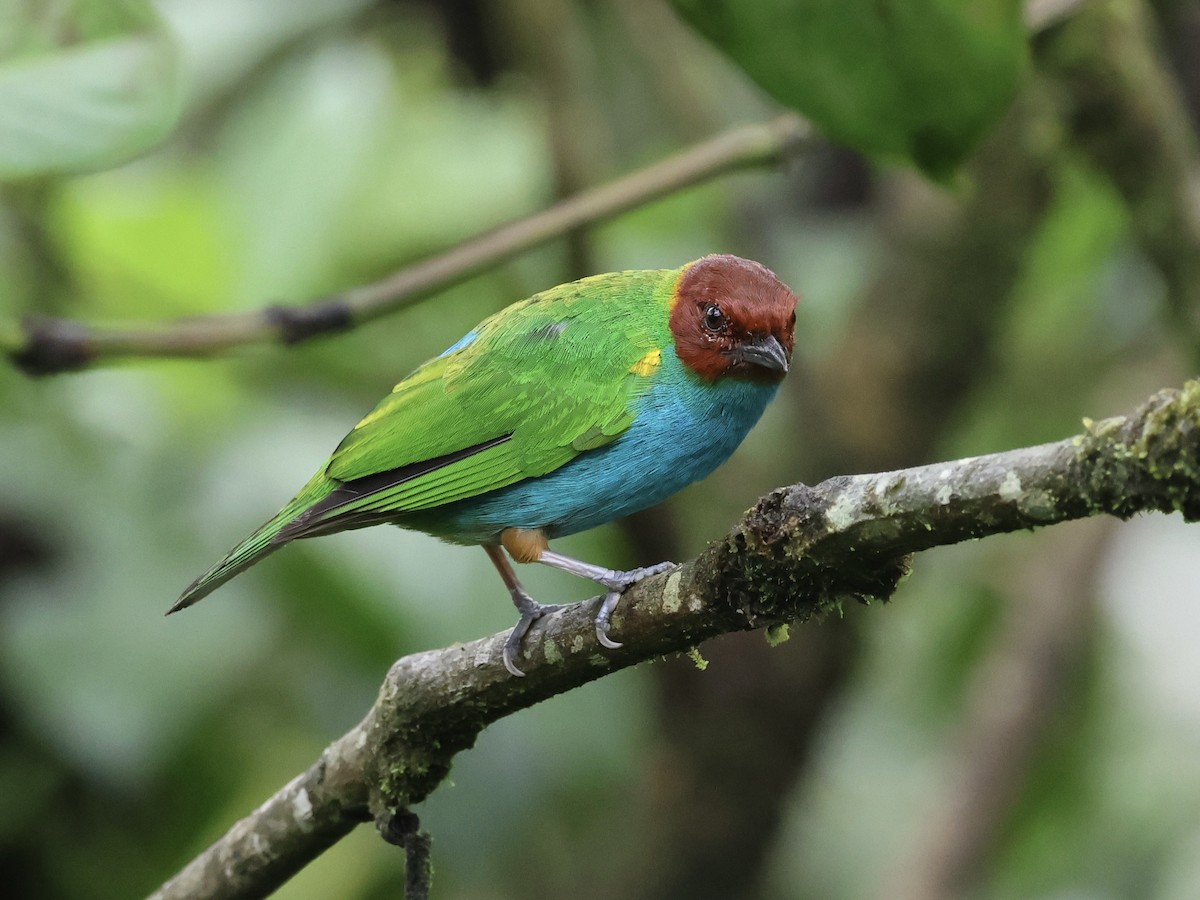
column 604, row 620
column 615, row 582
column 605, row 640
column 513, row 645
column 530, row 613
column 622, row 581
column 656, row 569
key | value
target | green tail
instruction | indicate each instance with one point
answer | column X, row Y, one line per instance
column 261, row 543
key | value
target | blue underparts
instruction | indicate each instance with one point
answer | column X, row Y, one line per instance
column 684, row 429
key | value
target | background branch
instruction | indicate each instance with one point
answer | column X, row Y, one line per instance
column 45, row 346
column 799, row 552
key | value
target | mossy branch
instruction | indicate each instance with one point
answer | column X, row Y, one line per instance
column 799, row 552
column 47, row 346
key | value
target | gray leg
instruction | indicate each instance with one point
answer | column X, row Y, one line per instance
column 616, row 581
column 529, row 608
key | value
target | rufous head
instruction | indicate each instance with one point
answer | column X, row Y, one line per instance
column 733, row 318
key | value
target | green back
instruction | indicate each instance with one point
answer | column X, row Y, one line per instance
column 554, row 376
column 558, row 372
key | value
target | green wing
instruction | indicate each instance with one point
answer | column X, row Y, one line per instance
column 542, row 382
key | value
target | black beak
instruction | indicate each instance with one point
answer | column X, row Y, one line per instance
column 765, row 351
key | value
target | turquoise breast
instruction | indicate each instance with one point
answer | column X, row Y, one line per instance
column 684, row 429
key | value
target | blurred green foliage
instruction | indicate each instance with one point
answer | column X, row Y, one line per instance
column 912, row 81
column 323, row 143
column 83, row 84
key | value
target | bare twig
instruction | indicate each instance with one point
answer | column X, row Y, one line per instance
column 44, row 346
column 403, row 829
column 799, row 552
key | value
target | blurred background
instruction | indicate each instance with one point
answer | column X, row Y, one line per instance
column 999, row 236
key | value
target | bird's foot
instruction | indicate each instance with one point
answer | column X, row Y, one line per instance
column 622, row 581
column 617, row 583
column 530, row 611
column 608, row 603
column 614, row 581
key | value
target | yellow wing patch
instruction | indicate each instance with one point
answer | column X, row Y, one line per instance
column 648, row 364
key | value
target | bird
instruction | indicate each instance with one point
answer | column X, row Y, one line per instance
column 574, row 407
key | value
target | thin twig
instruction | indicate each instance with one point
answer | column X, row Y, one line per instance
column 799, row 552
column 403, row 829
column 45, row 346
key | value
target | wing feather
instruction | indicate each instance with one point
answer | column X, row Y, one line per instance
column 541, row 382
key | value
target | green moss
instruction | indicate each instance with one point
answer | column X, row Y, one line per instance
column 781, row 569
column 1149, row 461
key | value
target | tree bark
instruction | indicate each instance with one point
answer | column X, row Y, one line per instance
column 799, row 552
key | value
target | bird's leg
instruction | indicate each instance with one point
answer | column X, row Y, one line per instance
column 529, row 608
column 528, row 545
column 616, row 581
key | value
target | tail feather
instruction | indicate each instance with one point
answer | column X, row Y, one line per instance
column 261, row 543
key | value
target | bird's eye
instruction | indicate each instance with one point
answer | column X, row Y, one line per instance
column 714, row 319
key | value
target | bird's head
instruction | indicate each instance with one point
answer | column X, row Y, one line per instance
column 733, row 317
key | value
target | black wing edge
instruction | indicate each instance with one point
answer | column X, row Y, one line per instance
column 322, row 517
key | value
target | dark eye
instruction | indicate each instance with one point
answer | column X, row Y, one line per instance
column 714, row 319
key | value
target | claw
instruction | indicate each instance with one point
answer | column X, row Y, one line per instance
column 616, row 582
column 604, row 620
column 531, row 611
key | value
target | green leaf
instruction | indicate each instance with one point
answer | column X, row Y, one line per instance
column 916, row 81
column 83, row 85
